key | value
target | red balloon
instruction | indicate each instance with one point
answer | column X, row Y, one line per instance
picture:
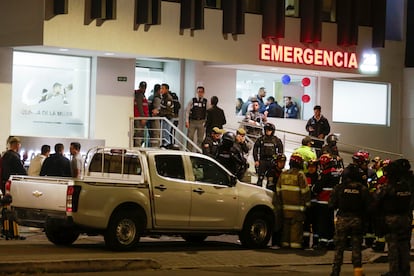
column 305, row 98
column 306, row 81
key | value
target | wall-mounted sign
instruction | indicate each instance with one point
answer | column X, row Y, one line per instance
column 308, row 56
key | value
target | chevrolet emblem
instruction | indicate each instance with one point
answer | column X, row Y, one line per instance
column 37, row 194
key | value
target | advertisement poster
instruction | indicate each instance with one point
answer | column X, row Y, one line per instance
column 50, row 95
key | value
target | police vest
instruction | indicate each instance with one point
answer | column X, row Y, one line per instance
column 199, row 109
column 268, row 147
column 350, row 199
column 398, row 198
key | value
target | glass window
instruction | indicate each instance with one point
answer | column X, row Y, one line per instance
column 368, row 101
column 170, row 166
column 206, row 171
column 113, row 164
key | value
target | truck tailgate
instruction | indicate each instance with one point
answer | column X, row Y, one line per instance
column 45, row 193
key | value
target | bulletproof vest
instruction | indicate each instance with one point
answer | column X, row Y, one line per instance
column 225, row 157
column 199, row 109
column 398, row 198
column 350, row 199
column 267, row 147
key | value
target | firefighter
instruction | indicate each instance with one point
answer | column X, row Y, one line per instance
column 309, row 226
column 294, row 194
column 351, row 200
column 264, row 149
column 329, row 178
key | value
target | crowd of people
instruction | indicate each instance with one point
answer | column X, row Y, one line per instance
column 43, row 164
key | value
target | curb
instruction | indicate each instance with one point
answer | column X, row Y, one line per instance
column 90, row 265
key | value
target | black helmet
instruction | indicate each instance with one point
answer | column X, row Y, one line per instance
column 331, row 139
column 280, row 157
column 269, row 126
column 228, row 137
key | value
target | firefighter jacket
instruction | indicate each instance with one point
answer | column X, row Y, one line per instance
column 323, row 188
column 293, row 192
column 267, row 146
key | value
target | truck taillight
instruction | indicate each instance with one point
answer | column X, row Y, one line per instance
column 72, row 198
column 8, row 186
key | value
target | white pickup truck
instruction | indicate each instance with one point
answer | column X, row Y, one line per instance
column 127, row 193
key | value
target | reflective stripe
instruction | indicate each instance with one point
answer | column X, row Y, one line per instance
column 293, row 208
column 290, row 188
column 322, row 202
column 327, row 189
column 295, row 245
column 304, row 190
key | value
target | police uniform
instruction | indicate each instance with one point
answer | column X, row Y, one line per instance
column 351, row 199
column 196, row 117
column 227, row 156
column 166, row 110
column 294, row 194
column 395, row 200
column 210, row 145
column 263, row 151
column 141, row 109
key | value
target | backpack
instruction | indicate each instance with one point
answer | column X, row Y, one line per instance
column 176, row 103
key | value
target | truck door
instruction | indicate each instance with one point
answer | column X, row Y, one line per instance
column 171, row 192
column 214, row 199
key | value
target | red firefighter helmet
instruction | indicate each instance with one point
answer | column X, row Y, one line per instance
column 296, row 161
column 325, row 160
column 361, row 157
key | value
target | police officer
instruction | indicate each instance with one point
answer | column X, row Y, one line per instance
column 226, row 155
column 264, row 149
column 332, row 148
column 241, row 148
column 141, row 109
column 395, row 201
column 294, row 194
column 351, row 200
column 211, row 142
column 195, row 115
column 167, row 111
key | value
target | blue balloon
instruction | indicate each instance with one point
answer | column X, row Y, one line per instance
column 285, row 79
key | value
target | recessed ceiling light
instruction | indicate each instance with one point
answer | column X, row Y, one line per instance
column 63, row 49
column 109, row 54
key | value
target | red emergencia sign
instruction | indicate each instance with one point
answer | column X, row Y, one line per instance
column 308, row 56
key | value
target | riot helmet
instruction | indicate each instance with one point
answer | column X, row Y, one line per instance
column 228, row 139
column 331, row 139
column 269, row 126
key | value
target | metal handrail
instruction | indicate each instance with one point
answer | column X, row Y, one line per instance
column 179, row 137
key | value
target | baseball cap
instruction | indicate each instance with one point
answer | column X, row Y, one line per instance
column 307, row 140
column 217, row 130
column 241, row 131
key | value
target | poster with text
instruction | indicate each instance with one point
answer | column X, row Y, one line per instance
column 50, row 95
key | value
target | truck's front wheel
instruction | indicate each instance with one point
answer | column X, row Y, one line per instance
column 60, row 234
column 257, row 230
column 123, row 231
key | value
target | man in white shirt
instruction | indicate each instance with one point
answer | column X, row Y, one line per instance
column 76, row 161
column 37, row 161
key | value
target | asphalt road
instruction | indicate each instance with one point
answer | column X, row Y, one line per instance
column 221, row 255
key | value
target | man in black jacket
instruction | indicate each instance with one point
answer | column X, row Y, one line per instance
column 56, row 164
column 11, row 161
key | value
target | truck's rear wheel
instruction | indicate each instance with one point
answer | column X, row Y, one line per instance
column 123, row 231
column 60, row 234
column 257, row 230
